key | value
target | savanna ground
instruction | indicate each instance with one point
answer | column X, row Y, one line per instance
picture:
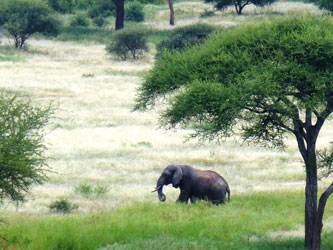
column 96, row 141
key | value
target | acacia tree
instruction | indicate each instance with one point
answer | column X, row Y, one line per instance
column 262, row 81
column 23, row 18
column 22, row 158
column 239, row 4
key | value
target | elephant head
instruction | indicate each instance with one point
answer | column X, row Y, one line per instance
column 171, row 174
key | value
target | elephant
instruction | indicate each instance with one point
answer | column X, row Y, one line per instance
column 194, row 184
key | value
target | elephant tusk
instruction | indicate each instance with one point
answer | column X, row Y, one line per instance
column 157, row 188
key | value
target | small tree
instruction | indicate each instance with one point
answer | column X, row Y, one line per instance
column 22, row 159
column 262, row 81
column 239, row 4
column 23, row 18
column 128, row 41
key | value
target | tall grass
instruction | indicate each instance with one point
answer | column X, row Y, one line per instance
column 244, row 221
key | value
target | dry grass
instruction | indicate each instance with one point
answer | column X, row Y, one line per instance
column 189, row 12
column 96, row 139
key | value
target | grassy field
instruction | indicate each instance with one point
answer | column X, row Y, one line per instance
column 96, row 141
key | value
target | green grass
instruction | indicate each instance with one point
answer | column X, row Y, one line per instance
column 242, row 223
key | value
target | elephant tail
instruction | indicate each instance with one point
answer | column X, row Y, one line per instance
column 228, row 191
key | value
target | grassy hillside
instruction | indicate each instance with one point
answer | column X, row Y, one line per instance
column 96, row 141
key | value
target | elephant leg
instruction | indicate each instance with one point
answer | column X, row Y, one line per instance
column 183, row 197
column 193, row 199
column 218, row 198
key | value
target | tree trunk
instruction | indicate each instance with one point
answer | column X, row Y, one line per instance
column 319, row 218
column 120, row 13
column 311, row 189
column 172, row 13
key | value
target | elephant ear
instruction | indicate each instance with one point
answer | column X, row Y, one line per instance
column 177, row 176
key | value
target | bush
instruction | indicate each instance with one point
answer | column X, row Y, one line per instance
column 102, row 8
column 84, row 4
column 86, row 190
column 128, row 41
column 63, row 6
column 23, row 18
column 185, row 36
column 62, row 206
column 79, row 19
column 22, row 159
column 134, row 12
column 100, row 21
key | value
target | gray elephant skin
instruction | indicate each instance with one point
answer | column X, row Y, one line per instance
column 193, row 184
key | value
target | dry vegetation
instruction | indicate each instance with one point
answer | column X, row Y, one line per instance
column 96, row 139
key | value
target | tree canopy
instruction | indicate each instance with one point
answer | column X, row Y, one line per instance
column 261, row 81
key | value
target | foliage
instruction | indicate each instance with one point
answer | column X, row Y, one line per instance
column 239, row 4
column 325, row 161
column 100, row 21
column 63, row 6
column 183, row 37
column 102, row 8
column 325, row 4
column 134, row 12
column 62, row 206
column 23, row 18
column 84, row 4
column 222, row 83
column 171, row 226
column 22, row 150
column 80, row 19
column 128, row 41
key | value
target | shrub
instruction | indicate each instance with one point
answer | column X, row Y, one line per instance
column 102, row 8
column 100, row 21
column 86, row 189
column 22, row 157
column 185, row 36
column 63, row 6
column 23, row 18
column 62, row 206
column 84, row 4
column 134, row 12
column 128, row 41
column 80, row 19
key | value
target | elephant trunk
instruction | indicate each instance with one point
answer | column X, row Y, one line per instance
column 159, row 189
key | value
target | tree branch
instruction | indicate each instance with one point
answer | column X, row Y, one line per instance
column 319, row 217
